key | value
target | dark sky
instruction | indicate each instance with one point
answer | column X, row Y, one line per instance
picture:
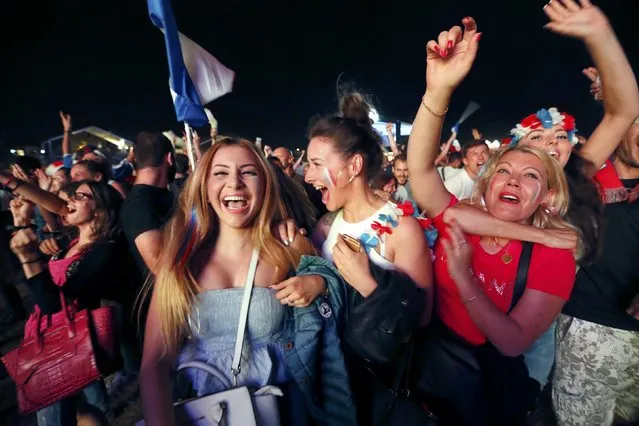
column 105, row 63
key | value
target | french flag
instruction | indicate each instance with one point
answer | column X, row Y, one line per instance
column 196, row 77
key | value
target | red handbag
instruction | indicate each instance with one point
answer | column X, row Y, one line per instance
column 65, row 354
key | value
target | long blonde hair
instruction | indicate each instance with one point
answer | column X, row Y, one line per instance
column 550, row 216
column 193, row 226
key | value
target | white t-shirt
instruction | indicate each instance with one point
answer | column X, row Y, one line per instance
column 447, row 172
column 403, row 193
column 461, row 185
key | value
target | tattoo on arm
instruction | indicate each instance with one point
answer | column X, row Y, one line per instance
column 328, row 218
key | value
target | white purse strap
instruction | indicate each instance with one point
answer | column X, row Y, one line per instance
column 241, row 329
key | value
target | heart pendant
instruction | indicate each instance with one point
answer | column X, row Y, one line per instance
column 506, row 258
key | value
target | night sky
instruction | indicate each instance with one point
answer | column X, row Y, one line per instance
column 105, row 63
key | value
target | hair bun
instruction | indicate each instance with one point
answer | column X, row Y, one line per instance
column 354, row 106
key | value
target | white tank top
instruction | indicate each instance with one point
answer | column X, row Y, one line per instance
column 355, row 230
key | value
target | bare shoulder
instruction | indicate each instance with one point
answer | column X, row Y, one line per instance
column 408, row 235
column 408, row 227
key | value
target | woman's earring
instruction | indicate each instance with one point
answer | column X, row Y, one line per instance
column 548, row 210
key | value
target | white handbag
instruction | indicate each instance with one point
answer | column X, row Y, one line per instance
column 237, row 406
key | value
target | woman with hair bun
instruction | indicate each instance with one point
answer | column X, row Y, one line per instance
column 345, row 155
column 378, row 248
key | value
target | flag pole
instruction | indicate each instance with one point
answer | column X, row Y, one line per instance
column 189, row 145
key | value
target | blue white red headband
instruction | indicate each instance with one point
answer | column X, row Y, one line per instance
column 546, row 119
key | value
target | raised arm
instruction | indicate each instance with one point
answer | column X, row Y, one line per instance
column 391, row 139
column 34, row 194
column 619, row 86
column 448, row 61
column 445, row 148
column 66, row 138
column 197, row 140
column 299, row 160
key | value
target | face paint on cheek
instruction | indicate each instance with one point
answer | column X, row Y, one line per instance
column 328, row 178
column 536, row 190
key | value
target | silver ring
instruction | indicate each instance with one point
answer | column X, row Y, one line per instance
column 287, row 301
column 463, row 242
column 291, row 303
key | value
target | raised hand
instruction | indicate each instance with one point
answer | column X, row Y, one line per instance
column 389, row 127
column 449, row 59
column 44, row 180
column 23, row 212
column 595, row 85
column 196, row 138
column 20, row 174
column 66, row 121
column 583, row 21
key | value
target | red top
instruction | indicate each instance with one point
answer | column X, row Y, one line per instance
column 551, row 270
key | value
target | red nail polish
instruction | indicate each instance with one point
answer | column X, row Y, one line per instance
column 479, row 36
column 449, row 45
column 436, row 49
column 444, row 53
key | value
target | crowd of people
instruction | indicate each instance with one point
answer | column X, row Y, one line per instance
column 489, row 273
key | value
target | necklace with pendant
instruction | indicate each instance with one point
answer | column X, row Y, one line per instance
column 505, row 257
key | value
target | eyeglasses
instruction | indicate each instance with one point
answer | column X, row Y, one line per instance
column 81, row 196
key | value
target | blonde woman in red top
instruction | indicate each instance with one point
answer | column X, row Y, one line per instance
column 471, row 360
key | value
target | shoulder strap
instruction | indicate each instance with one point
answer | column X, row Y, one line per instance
column 522, row 273
column 241, row 328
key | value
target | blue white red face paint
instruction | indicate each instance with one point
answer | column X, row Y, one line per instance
column 328, row 178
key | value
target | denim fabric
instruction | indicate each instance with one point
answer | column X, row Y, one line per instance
column 312, row 345
column 62, row 413
column 96, row 395
column 541, row 356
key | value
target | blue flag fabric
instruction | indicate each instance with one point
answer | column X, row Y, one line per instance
column 188, row 107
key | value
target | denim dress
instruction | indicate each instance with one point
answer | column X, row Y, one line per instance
column 214, row 324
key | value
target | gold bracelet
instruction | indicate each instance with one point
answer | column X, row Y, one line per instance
column 433, row 112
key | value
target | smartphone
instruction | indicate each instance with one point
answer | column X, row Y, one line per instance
column 352, row 243
column 64, row 240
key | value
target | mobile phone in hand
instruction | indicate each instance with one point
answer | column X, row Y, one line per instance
column 352, row 243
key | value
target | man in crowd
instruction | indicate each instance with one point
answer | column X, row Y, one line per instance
column 150, row 203
column 286, row 158
column 400, row 171
column 474, row 156
column 451, row 166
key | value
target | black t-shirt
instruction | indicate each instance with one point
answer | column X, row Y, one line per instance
column 604, row 290
column 146, row 208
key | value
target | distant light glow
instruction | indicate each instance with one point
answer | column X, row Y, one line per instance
column 42, row 151
column 13, row 151
column 373, row 115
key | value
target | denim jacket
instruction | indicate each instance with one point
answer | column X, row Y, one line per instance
column 313, row 349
